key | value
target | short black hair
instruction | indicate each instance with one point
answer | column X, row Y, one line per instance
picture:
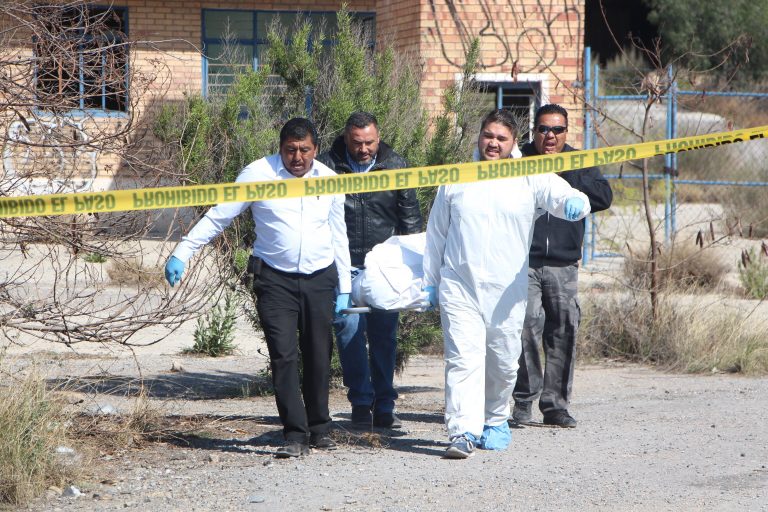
column 502, row 116
column 550, row 109
column 297, row 129
column 360, row 119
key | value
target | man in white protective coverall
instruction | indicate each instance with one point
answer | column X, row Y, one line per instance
column 476, row 269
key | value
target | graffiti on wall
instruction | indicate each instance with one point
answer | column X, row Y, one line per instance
column 47, row 157
column 506, row 29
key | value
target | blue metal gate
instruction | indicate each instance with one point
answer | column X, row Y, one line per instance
column 595, row 106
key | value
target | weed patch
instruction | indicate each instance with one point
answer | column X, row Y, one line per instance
column 132, row 272
column 686, row 336
column 681, row 265
column 216, row 330
column 419, row 333
column 753, row 274
column 32, row 426
column 114, row 432
column 95, row 257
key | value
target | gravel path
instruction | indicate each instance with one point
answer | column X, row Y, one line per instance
column 646, row 440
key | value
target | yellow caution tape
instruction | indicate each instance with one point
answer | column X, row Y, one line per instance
column 202, row 195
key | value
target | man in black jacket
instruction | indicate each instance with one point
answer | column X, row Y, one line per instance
column 371, row 219
column 553, row 314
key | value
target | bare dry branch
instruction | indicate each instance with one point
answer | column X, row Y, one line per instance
column 69, row 122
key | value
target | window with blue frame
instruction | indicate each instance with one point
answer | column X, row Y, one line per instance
column 82, row 58
column 235, row 41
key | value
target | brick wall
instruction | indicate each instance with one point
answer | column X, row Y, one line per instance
column 521, row 39
column 398, row 23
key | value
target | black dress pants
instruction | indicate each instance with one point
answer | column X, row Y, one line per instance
column 296, row 312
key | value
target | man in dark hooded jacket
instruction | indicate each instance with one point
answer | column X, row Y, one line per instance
column 371, row 218
column 552, row 315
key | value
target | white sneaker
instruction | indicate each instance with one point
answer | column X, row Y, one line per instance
column 462, row 447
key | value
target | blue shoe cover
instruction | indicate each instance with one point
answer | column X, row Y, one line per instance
column 495, row 438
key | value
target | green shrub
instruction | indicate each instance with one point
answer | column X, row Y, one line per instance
column 216, row 330
column 418, row 333
column 753, row 274
column 95, row 257
column 622, row 72
column 240, row 260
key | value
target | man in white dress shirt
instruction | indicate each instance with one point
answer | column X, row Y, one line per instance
column 300, row 257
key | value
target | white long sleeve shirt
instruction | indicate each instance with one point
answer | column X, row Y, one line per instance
column 299, row 235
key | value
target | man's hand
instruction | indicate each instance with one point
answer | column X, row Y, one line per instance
column 342, row 302
column 173, row 270
column 573, row 207
column 431, row 292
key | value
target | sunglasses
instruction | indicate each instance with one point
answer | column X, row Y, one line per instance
column 544, row 129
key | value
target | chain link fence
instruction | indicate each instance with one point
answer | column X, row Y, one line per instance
column 705, row 195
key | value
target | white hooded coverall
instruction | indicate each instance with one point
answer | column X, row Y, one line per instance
column 478, row 237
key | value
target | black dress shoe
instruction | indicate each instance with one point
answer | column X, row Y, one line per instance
column 292, row 449
column 322, row 442
column 361, row 416
column 521, row 413
column 387, row 420
column 559, row 419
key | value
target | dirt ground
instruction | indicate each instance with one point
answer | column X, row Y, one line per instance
column 646, row 440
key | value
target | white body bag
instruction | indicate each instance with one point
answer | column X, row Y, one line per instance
column 392, row 277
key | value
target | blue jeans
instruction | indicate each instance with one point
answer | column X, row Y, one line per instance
column 368, row 373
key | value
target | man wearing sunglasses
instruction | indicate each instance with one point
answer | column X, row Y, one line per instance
column 553, row 314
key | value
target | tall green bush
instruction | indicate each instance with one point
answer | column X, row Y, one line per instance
column 725, row 39
column 297, row 61
column 327, row 86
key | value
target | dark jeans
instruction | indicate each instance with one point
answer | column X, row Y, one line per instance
column 289, row 303
column 369, row 371
column 551, row 321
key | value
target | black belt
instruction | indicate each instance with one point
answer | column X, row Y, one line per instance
column 299, row 274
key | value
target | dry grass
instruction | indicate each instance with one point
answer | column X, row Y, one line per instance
column 681, row 265
column 688, row 335
column 32, row 425
column 747, row 206
column 35, row 422
column 132, row 272
column 114, row 432
column 364, row 439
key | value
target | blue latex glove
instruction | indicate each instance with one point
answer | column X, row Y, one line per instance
column 573, row 207
column 431, row 296
column 173, row 270
column 342, row 302
column 495, row 438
